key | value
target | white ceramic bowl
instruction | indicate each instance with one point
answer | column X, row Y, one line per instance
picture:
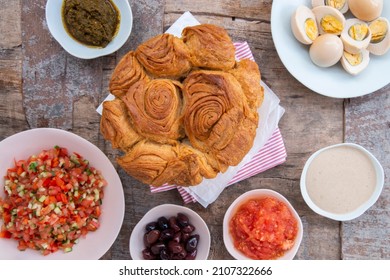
column 136, row 243
column 259, row 193
column 95, row 244
column 57, row 29
column 363, row 207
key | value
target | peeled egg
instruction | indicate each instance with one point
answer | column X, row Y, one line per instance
column 304, row 26
column 356, row 35
column 329, row 20
column 366, row 10
column 326, row 50
column 341, row 5
column 355, row 63
column 380, row 38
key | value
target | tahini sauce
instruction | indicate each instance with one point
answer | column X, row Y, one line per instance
column 340, row 179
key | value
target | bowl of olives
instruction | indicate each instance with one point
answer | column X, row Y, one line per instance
column 170, row 232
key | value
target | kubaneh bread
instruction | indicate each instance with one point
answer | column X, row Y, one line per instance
column 184, row 109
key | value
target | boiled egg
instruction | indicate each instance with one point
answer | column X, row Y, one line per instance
column 356, row 35
column 326, row 50
column 304, row 26
column 355, row 63
column 341, row 5
column 366, row 10
column 329, row 20
column 380, row 38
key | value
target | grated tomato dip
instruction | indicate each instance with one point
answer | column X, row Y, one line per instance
column 51, row 201
column 263, row 228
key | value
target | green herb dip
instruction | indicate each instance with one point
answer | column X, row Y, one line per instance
column 91, row 22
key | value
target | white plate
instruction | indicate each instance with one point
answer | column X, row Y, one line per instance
column 57, row 29
column 95, row 244
column 136, row 244
column 333, row 81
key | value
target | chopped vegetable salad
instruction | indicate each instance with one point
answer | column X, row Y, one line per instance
column 51, row 200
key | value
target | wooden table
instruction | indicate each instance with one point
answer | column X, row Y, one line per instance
column 43, row 86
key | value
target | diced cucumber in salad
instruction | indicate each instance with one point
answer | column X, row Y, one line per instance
column 51, row 200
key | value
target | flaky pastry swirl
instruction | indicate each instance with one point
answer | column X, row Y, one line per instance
column 155, row 108
column 164, row 56
column 127, row 72
column 184, row 110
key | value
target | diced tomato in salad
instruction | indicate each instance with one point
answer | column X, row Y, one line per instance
column 51, row 200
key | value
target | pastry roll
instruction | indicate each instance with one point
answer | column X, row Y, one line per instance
column 164, row 56
column 116, row 127
column 157, row 164
column 217, row 118
column 248, row 75
column 210, row 47
column 155, row 109
column 126, row 73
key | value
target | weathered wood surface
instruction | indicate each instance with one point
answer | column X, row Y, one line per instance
column 45, row 87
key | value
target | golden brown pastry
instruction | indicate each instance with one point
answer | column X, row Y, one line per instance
column 164, row 56
column 248, row 75
column 126, row 73
column 210, row 47
column 215, row 111
column 155, row 109
column 116, row 127
column 157, row 164
column 183, row 111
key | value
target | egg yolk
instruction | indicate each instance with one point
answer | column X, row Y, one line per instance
column 378, row 30
column 311, row 29
column 353, row 59
column 331, row 25
column 338, row 4
column 358, row 32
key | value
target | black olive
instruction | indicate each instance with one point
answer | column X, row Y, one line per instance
column 173, row 224
column 152, row 237
column 192, row 243
column 157, row 247
column 151, row 226
column 164, row 254
column 182, row 219
column 148, row 255
column 185, row 236
column 180, row 256
column 162, row 223
column 177, row 237
column 191, row 255
column 188, row 228
column 175, row 247
column 167, row 234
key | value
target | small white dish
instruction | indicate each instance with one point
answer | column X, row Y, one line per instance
column 259, row 193
column 57, row 29
column 363, row 207
column 136, row 243
column 95, row 244
column 332, row 81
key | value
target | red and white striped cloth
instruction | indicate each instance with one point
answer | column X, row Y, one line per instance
column 270, row 155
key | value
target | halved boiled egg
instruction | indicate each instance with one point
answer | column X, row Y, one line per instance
column 380, row 38
column 329, row 20
column 341, row 5
column 356, row 35
column 304, row 25
column 355, row 63
column 326, row 50
column 366, row 10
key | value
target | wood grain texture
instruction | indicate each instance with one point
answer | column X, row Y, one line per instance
column 368, row 124
column 12, row 118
